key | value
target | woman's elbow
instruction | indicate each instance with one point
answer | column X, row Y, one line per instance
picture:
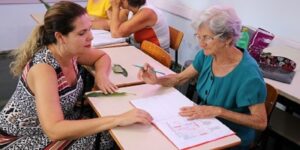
column 115, row 35
column 55, row 138
column 262, row 125
column 53, row 135
column 119, row 33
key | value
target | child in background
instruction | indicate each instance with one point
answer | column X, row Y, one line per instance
column 99, row 12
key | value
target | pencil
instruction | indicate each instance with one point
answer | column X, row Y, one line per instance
column 139, row 66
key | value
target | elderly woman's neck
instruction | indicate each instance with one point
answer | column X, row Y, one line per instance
column 230, row 55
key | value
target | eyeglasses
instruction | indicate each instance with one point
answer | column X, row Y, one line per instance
column 207, row 39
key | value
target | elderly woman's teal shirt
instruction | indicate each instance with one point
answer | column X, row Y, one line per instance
column 242, row 87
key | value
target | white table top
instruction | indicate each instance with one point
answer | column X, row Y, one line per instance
column 132, row 56
column 290, row 91
column 137, row 137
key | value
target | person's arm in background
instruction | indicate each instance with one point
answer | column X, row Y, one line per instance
column 102, row 64
column 122, row 28
column 100, row 23
column 97, row 12
column 123, row 15
column 104, row 24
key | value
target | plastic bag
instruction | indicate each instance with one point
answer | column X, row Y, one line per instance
column 259, row 41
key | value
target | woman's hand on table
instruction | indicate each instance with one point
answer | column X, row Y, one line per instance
column 200, row 111
column 134, row 116
column 105, row 85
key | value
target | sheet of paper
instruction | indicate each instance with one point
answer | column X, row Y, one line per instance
column 185, row 133
column 181, row 132
column 164, row 106
column 103, row 37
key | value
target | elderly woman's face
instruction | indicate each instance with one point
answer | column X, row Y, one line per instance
column 208, row 41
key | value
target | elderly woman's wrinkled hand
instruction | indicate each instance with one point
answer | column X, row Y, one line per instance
column 200, row 111
column 147, row 74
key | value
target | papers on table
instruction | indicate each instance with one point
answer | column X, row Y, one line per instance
column 181, row 132
column 102, row 38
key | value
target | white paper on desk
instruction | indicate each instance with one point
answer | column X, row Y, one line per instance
column 181, row 132
column 103, row 37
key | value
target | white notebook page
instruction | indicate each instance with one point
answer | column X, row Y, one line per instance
column 181, row 132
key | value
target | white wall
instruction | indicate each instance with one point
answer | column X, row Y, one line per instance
column 277, row 16
column 16, row 23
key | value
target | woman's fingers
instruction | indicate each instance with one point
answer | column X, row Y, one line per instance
column 108, row 88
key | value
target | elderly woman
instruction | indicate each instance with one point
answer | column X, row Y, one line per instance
column 230, row 84
column 147, row 23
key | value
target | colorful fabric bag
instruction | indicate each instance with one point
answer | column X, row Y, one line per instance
column 259, row 41
column 277, row 67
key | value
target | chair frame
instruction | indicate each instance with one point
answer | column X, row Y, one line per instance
column 271, row 99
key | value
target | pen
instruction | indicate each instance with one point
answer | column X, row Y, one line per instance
column 153, row 70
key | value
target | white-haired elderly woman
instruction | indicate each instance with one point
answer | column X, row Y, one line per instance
column 230, row 84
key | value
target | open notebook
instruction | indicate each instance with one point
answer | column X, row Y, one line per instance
column 103, row 38
column 181, row 132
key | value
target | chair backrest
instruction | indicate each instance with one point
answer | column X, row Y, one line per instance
column 157, row 53
column 175, row 41
column 270, row 102
column 175, row 38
